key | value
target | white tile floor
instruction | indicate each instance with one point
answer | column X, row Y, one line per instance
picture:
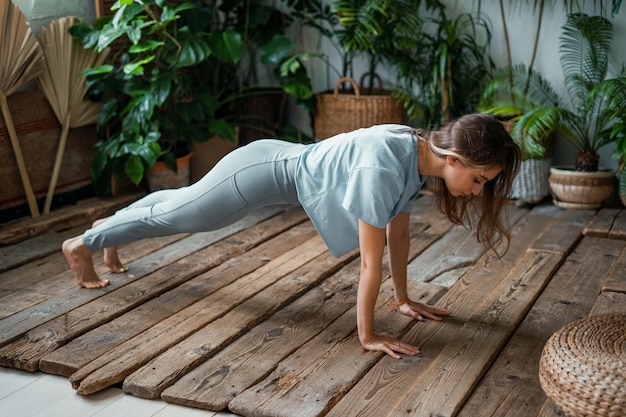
column 23, row 394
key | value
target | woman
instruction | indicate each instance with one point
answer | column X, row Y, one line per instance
column 357, row 188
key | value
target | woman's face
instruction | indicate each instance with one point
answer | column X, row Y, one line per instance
column 462, row 180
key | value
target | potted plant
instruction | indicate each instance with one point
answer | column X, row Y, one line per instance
column 379, row 32
column 584, row 46
column 507, row 96
column 155, row 98
column 270, row 68
column 454, row 64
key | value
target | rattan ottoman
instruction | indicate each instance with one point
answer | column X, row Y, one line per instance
column 583, row 367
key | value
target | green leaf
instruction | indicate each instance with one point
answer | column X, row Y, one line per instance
column 134, row 169
column 276, row 49
column 148, row 45
column 136, row 68
column 227, row 45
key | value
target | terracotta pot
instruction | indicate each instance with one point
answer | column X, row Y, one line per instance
column 160, row 177
column 580, row 190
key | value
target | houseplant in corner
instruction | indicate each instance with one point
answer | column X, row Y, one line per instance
column 584, row 47
column 154, row 99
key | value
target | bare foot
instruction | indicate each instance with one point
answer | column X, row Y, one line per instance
column 111, row 258
column 81, row 263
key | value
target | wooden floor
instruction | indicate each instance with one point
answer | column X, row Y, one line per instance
column 259, row 319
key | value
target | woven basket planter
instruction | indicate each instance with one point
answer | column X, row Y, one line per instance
column 531, row 183
column 580, row 190
column 340, row 113
column 583, row 367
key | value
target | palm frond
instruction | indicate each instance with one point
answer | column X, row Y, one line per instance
column 64, row 87
column 584, row 54
column 22, row 60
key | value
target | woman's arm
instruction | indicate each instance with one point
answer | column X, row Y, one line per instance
column 372, row 245
column 398, row 242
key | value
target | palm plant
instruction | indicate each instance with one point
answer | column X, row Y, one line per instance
column 448, row 67
column 538, row 111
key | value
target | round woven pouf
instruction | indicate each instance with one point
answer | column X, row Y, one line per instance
column 583, row 367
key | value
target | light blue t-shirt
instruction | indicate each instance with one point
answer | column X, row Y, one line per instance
column 369, row 174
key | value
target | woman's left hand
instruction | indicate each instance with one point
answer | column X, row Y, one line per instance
column 421, row 311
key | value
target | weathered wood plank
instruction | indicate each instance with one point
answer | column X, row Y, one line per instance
column 51, row 333
column 313, row 378
column 448, row 259
column 563, row 235
column 616, row 278
column 602, row 222
column 123, row 360
column 618, row 231
column 28, row 251
column 608, row 303
column 85, row 211
column 88, row 347
column 511, row 386
column 49, row 276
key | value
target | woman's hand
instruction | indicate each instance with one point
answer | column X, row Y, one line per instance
column 384, row 342
column 421, row 311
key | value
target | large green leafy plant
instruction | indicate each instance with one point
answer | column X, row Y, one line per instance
column 154, row 103
column 594, row 100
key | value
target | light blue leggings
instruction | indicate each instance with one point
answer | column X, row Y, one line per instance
column 257, row 175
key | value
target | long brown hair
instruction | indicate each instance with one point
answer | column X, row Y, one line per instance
column 477, row 141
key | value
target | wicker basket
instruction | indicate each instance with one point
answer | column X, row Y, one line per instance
column 339, row 112
column 531, row 183
column 583, row 367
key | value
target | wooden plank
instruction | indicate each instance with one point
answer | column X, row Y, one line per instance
column 602, row 222
column 161, row 372
column 314, row 377
column 28, row 251
column 609, row 303
column 49, row 334
column 511, row 386
column 85, row 211
column 618, row 231
column 563, row 235
column 448, row 259
column 123, row 360
column 88, row 347
column 616, row 278
column 50, row 276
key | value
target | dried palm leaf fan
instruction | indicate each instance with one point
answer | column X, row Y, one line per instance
column 63, row 86
column 22, row 60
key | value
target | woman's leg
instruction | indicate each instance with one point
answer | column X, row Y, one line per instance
column 257, row 175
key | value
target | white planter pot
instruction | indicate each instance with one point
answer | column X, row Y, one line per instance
column 580, row 190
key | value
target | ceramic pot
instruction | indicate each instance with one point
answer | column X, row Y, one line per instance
column 580, row 190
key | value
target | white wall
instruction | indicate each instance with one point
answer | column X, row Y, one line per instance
column 40, row 13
